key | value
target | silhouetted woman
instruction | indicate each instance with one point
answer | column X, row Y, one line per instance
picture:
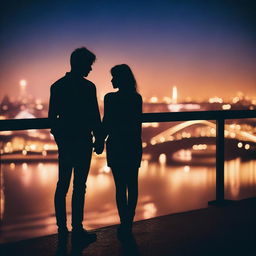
column 122, row 122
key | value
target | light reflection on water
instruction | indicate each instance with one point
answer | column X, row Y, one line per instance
column 27, row 191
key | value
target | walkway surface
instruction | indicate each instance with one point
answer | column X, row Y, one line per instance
column 226, row 230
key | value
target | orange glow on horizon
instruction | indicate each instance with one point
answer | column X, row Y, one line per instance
column 194, row 81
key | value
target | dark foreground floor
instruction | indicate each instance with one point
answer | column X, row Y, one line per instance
column 227, row 230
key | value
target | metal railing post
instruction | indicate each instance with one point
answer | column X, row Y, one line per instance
column 220, row 160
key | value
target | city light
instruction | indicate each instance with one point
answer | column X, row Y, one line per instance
column 12, row 166
column 153, row 99
column 167, row 100
column 186, row 168
column 40, row 165
column 183, row 155
column 153, row 142
column 146, row 125
column 39, row 106
column 239, row 144
column 23, row 83
column 24, row 166
column 215, row 100
column 226, row 106
column 247, row 146
column 235, row 100
column 155, row 125
column 144, row 144
column 162, row 159
column 174, row 95
column 232, row 134
column 200, row 147
column 162, row 139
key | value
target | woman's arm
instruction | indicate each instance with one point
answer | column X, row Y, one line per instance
column 138, row 118
column 97, row 124
column 106, row 121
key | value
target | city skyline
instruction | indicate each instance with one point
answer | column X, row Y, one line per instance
column 23, row 94
column 205, row 49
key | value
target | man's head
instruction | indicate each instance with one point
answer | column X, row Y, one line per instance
column 81, row 61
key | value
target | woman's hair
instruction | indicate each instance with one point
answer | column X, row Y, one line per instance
column 125, row 76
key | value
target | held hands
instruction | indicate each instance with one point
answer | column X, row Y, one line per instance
column 98, row 146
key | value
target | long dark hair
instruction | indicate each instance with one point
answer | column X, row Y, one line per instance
column 125, row 76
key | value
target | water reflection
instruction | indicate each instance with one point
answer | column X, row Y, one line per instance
column 239, row 178
column 46, row 174
column 26, row 174
column 231, row 178
column 27, row 191
column 149, row 210
column 2, row 197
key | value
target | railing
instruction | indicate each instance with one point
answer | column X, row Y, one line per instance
column 219, row 116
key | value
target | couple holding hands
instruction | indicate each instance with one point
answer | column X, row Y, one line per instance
column 75, row 123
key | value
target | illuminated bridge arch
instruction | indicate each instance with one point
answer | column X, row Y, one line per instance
column 230, row 131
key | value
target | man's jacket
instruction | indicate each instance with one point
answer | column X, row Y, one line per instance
column 73, row 108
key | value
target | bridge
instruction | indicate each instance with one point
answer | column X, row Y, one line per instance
column 230, row 131
column 238, row 142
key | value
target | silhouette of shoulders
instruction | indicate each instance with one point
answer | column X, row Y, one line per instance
column 57, row 84
column 132, row 96
column 74, row 101
column 72, row 80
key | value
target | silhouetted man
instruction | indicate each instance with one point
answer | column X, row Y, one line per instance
column 75, row 119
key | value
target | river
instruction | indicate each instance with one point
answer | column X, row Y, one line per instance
column 27, row 192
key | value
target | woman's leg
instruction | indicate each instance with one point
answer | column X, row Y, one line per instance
column 132, row 183
column 121, row 198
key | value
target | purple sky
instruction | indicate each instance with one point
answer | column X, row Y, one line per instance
column 205, row 48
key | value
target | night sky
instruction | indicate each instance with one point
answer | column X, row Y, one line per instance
column 205, row 48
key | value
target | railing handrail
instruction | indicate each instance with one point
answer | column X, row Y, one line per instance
column 43, row 123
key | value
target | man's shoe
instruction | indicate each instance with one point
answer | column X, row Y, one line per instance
column 120, row 233
column 63, row 234
column 124, row 232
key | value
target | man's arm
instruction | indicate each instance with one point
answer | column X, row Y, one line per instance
column 52, row 113
column 97, row 126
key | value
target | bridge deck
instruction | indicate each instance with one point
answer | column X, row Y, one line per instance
column 227, row 230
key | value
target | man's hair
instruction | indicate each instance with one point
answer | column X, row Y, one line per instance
column 81, row 55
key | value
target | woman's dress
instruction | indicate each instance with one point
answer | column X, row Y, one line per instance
column 122, row 124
